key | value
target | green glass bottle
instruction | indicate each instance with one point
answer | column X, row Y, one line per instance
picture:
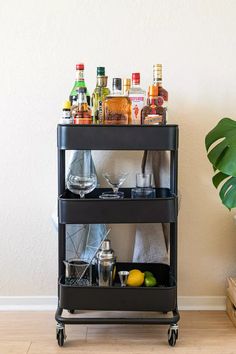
column 79, row 82
column 100, row 92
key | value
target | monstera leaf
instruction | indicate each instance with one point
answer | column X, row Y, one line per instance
column 221, row 147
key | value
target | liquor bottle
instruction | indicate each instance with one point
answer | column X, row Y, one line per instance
column 137, row 97
column 126, row 86
column 117, row 106
column 99, row 94
column 66, row 114
column 162, row 93
column 79, row 82
column 81, row 112
column 152, row 113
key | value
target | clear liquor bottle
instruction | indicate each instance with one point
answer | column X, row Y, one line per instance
column 99, row 95
column 152, row 113
column 162, row 93
column 81, row 112
column 79, row 82
column 137, row 97
column 117, row 106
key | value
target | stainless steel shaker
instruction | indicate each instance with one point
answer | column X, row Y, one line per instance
column 106, row 264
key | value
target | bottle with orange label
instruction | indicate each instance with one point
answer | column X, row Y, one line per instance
column 81, row 112
column 152, row 113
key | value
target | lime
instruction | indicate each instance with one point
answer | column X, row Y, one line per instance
column 150, row 281
column 148, row 274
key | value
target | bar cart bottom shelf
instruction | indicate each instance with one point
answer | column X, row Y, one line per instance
column 162, row 298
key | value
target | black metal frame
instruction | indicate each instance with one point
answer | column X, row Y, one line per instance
column 82, row 137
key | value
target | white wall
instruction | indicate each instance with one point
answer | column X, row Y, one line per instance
column 41, row 41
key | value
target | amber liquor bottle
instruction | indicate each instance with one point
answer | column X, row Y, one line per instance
column 162, row 93
column 152, row 113
column 81, row 112
column 117, row 106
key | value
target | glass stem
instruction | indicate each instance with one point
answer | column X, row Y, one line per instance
column 115, row 190
column 81, row 195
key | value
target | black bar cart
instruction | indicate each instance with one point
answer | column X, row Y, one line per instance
column 92, row 210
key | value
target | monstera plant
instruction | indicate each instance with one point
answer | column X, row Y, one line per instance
column 221, row 147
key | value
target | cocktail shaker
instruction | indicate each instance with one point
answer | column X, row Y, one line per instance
column 106, row 264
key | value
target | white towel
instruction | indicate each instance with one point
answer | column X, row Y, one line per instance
column 151, row 240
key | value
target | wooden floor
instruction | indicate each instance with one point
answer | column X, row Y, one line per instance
column 201, row 332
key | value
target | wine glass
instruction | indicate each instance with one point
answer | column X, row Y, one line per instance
column 115, row 180
column 82, row 178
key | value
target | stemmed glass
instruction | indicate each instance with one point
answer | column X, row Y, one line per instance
column 115, row 180
column 81, row 178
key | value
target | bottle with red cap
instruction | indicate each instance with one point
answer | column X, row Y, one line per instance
column 79, row 82
column 137, row 97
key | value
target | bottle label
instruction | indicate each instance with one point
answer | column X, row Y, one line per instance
column 154, row 119
column 81, row 75
column 82, row 118
column 65, row 114
column 100, row 112
column 160, row 101
column 116, row 118
column 137, row 105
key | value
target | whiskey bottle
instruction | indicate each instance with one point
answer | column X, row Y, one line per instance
column 81, row 112
column 99, row 95
column 117, row 106
column 162, row 93
column 152, row 113
column 79, row 82
column 137, row 97
column 126, row 86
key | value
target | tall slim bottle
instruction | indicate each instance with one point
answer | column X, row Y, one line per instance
column 137, row 97
column 162, row 99
column 100, row 92
column 79, row 82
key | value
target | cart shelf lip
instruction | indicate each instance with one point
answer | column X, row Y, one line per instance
column 117, row 137
column 161, row 298
column 92, row 210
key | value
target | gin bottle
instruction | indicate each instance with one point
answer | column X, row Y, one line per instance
column 137, row 97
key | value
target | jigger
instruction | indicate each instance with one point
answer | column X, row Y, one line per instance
column 123, row 274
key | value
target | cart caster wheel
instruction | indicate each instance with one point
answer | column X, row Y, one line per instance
column 61, row 336
column 173, row 335
column 71, row 311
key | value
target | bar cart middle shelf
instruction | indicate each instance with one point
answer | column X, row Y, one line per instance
column 162, row 209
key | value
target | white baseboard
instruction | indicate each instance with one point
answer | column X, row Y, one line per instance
column 49, row 303
column 204, row 303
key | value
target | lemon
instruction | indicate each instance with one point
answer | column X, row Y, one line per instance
column 135, row 278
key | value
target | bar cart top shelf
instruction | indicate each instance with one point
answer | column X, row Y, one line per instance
column 117, row 137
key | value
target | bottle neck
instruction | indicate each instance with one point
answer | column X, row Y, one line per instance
column 136, row 84
column 116, row 91
column 152, row 100
column 82, row 98
column 79, row 75
column 101, row 81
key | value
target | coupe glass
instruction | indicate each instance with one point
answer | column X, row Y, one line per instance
column 115, row 180
column 82, row 184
